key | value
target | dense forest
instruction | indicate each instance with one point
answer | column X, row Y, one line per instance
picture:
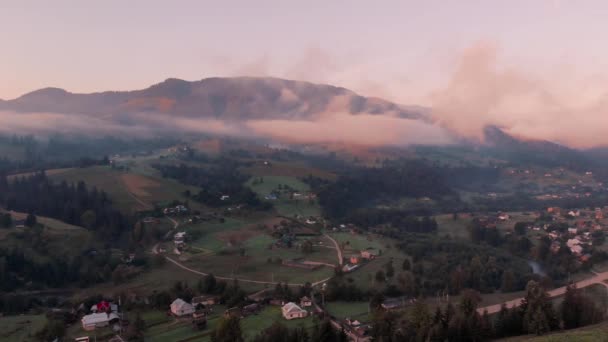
column 363, row 187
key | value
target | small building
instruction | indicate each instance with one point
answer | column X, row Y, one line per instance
column 572, row 230
column 205, row 300
column 98, row 320
column 355, row 259
column 305, row 302
column 369, row 254
column 504, row 217
column 293, row 311
column 224, row 197
column 179, row 238
column 577, row 250
column 180, row 308
column 393, row 303
column 251, row 309
column 199, row 320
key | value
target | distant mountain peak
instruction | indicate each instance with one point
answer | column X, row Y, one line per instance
column 45, row 92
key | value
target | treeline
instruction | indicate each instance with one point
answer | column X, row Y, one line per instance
column 396, row 220
column 220, row 179
column 39, row 268
column 60, row 151
column 363, row 187
column 535, row 315
column 74, row 204
column 451, row 265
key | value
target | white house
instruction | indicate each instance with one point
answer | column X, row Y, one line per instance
column 179, row 238
column 572, row 230
column 293, row 311
column 573, row 242
column 578, row 250
column 180, row 308
column 98, row 320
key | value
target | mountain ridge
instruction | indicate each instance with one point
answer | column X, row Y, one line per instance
column 230, row 98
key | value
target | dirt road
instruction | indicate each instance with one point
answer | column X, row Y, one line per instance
column 598, row 278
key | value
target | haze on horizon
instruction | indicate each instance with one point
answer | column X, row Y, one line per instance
column 537, row 69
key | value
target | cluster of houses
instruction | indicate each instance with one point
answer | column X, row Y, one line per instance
column 201, row 306
column 357, row 260
column 179, row 209
column 581, row 224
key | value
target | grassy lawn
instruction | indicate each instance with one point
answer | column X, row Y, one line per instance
column 353, row 310
column 20, row 328
column 593, row 333
column 253, row 324
column 363, row 276
column 455, row 228
column 353, row 243
column 209, row 240
column 172, row 331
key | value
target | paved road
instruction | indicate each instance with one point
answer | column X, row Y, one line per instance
column 340, row 258
column 186, row 268
column 598, row 278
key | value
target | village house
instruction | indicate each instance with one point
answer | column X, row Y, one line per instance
column 224, row 198
column 305, row 302
column 355, row 259
column 207, row 300
column 180, row 308
column 577, row 250
column 598, row 214
column 251, row 309
column 504, row 217
column 572, row 230
column 369, row 254
column 393, row 303
column 293, row 311
column 199, row 320
column 98, row 320
column 179, row 238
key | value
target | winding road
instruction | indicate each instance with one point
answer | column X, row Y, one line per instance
column 186, row 268
column 598, row 278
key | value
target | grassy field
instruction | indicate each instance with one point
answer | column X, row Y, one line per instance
column 58, row 238
column 593, row 333
column 363, row 276
column 455, row 228
column 20, row 328
column 251, row 325
column 285, row 205
column 287, row 169
column 352, row 310
column 129, row 191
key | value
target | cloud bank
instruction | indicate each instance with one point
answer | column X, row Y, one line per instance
column 561, row 108
column 361, row 129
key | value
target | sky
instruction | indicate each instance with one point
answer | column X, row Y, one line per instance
column 537, row 68
column 401, row 50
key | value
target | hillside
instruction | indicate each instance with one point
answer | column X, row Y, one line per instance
column 219, row 98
